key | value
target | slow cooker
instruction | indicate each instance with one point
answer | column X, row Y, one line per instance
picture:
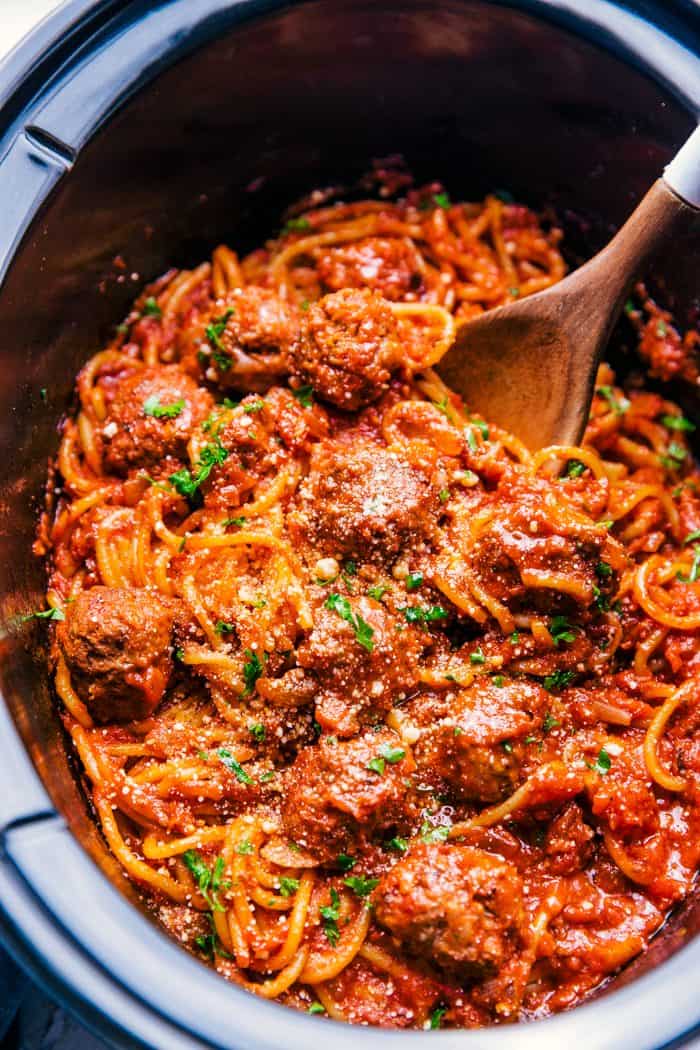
column 134, row 135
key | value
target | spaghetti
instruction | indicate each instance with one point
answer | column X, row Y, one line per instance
column 389, row 719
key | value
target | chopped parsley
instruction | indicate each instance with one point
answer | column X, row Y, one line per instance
column 45, row 614
column 44, row 394
column 377, row 592
column 550, row 722
column 602, row 762
column 414, row 581
column 316, row 1008
column 234, row 521
column 442, row 200
column 252, row 670
column 661, row 329
column 507, row 747
column 186, row 483
column 499, row 681
column 245, row 847
column 443, row 405
column 345, row 862
column 692, row 536
column 414, row 614
column 601, row 601
column 360, row 885
column 477, row 657
column 363, row 632
column 560, row 630
column 471, row 440
column 209, row 880
column 288, row 886
column 574, row 468
column 436, row 1017
column 434, row 832
column 392, row 754
column 397, row 844
column 151, row 308
column 558, row 680
column 377, row 765
column 675, row 454
column 254, row 406
column 153, row 407
column 257, row 731
column 216, row 329
column 481, row 427
column 603, row 569
column 694, row 573
column 234, row 767
column 618, row 406
column 677, row 423
column 300, row 223
column 444, row 495
column 304, row 394
column 330, row 914
column 221, row 627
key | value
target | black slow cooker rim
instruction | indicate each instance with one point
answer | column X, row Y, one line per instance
column 30, row 912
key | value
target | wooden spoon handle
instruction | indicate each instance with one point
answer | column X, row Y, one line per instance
column 683, row 173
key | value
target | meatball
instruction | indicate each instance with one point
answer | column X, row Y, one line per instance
column 459, row 905
column 246, row 339
column 359, row 674
column 532, row 540
column 388, row 265
column 347, row 348
column 477, row 750
column 340, row 792
column 116, row 644
column 363, row 501
column 150, row 415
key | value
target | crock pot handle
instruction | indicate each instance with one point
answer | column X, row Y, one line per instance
column 683, row 173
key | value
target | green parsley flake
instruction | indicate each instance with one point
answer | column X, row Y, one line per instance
column 252, row 670
column 618, row 406
column 209, row 880
column 215, row 330
column 254, row 406
column 360, row 885
column 436, row 1017
column 296, row 224
column 414, row 614
column 414, row 580
column 602, row 763
column 477, row 657
column 376, row 765
column 363, row 632
column 377, row 592
column 499, row 681
column 550, row 722
column 678, row 423
column 45, row 614
column 221, row 627
column 558, row 680
column 234, row 767
column 694, row 573
column 561, row 630
column 345, row 862
column 444, row 495
column 288, row 886
column 434, row 832
column 304, row 394
column 151, row 308
column 153, row 407
column 316, row 1008
column 392, row 754
column 574, row 468
column 257, row 731
column 330, row 914
column 442, row 200
column 245, row 847
column 186, row 483
column 397, row 844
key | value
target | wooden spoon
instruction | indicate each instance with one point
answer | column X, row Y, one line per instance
column 530, row 366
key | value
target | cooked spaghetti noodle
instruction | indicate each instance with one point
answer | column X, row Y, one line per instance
column 389, row 718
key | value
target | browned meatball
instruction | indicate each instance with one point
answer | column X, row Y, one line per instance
column 459, row 905
column 359, row 667
column 116, row 643
column 363, row 501
column 477, row 749
column 388, row 265
column 339, row 792
column 151, row 415
column 244, row 343
column 348, row 346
